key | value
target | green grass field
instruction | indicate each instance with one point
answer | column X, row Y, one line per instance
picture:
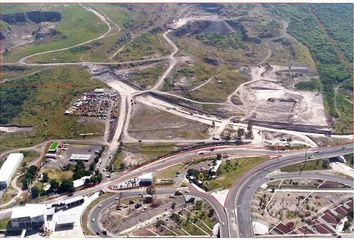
column 309, row 166
column 4, row 222
column 219, row 88
column 53, row 146
column 87, row 26
column 148, row 77
column 44, row 99
column 230, row 175
column 56, row 174
column 168, row 173
column 149, row 152
column 146, row 45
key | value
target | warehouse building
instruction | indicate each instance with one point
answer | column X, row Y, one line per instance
column 9, row 167
column 29, row 216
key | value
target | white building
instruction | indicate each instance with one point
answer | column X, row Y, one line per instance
column 29, row 216
column 9, row 167
column 80, row 182
column 65, row 221
column 80, row 157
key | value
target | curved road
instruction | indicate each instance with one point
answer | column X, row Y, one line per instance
column 244, row 202
column 239, row 217
column 96, row 211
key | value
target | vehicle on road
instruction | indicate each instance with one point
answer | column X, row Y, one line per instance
column 178, row 193
column 93, row 219
column 100, row 205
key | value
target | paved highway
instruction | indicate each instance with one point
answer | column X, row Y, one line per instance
column 215, row 204
column 96, row 211
column 239, row 213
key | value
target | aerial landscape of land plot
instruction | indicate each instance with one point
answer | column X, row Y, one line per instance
column 211, row 120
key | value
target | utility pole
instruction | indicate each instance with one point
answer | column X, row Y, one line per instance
column 305, row 161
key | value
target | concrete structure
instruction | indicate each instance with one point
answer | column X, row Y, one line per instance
column 80, row 157
column 29, row 216
column 65, row 221
column 9, row 167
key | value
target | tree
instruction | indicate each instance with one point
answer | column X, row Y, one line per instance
column 122, row 166
column 35, row 192
column 67, row 186
column 240, row 132
column 347, row 226
column 159, row 223
column 173, row 205
column 249, row 127
column 151, row 190
column 211, row 212
column 192, row 172
column 87, row 182
column 325, row 164
column 32, row 170
column 54, row 185
column 45, row 177
column 92, row 166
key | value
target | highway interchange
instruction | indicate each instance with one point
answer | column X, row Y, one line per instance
column 235, row 216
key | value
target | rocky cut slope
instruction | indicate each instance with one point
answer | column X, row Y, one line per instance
column 218, row 27
column 31, row 16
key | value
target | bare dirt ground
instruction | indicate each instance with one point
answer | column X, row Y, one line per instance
column 272, row 208
column 151, row 123
column 267, row 97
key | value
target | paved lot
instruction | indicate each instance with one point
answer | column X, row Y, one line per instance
column 64, row 156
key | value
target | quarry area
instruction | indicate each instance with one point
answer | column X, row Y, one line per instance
column 174, row 120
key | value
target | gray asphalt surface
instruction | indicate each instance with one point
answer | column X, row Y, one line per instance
column 241, row 193
column 215, row 204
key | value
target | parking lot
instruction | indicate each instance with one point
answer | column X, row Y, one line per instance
column 67, row 152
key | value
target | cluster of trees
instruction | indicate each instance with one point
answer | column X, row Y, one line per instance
column 268, row 29
column 314, row 85
column 64, row 186
column 331, row 70
column 94, row 179
column 34, row 16
column 67, row 185
column 229, row 166
column 29, row 176
column 12, row 98
column 341, row 31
